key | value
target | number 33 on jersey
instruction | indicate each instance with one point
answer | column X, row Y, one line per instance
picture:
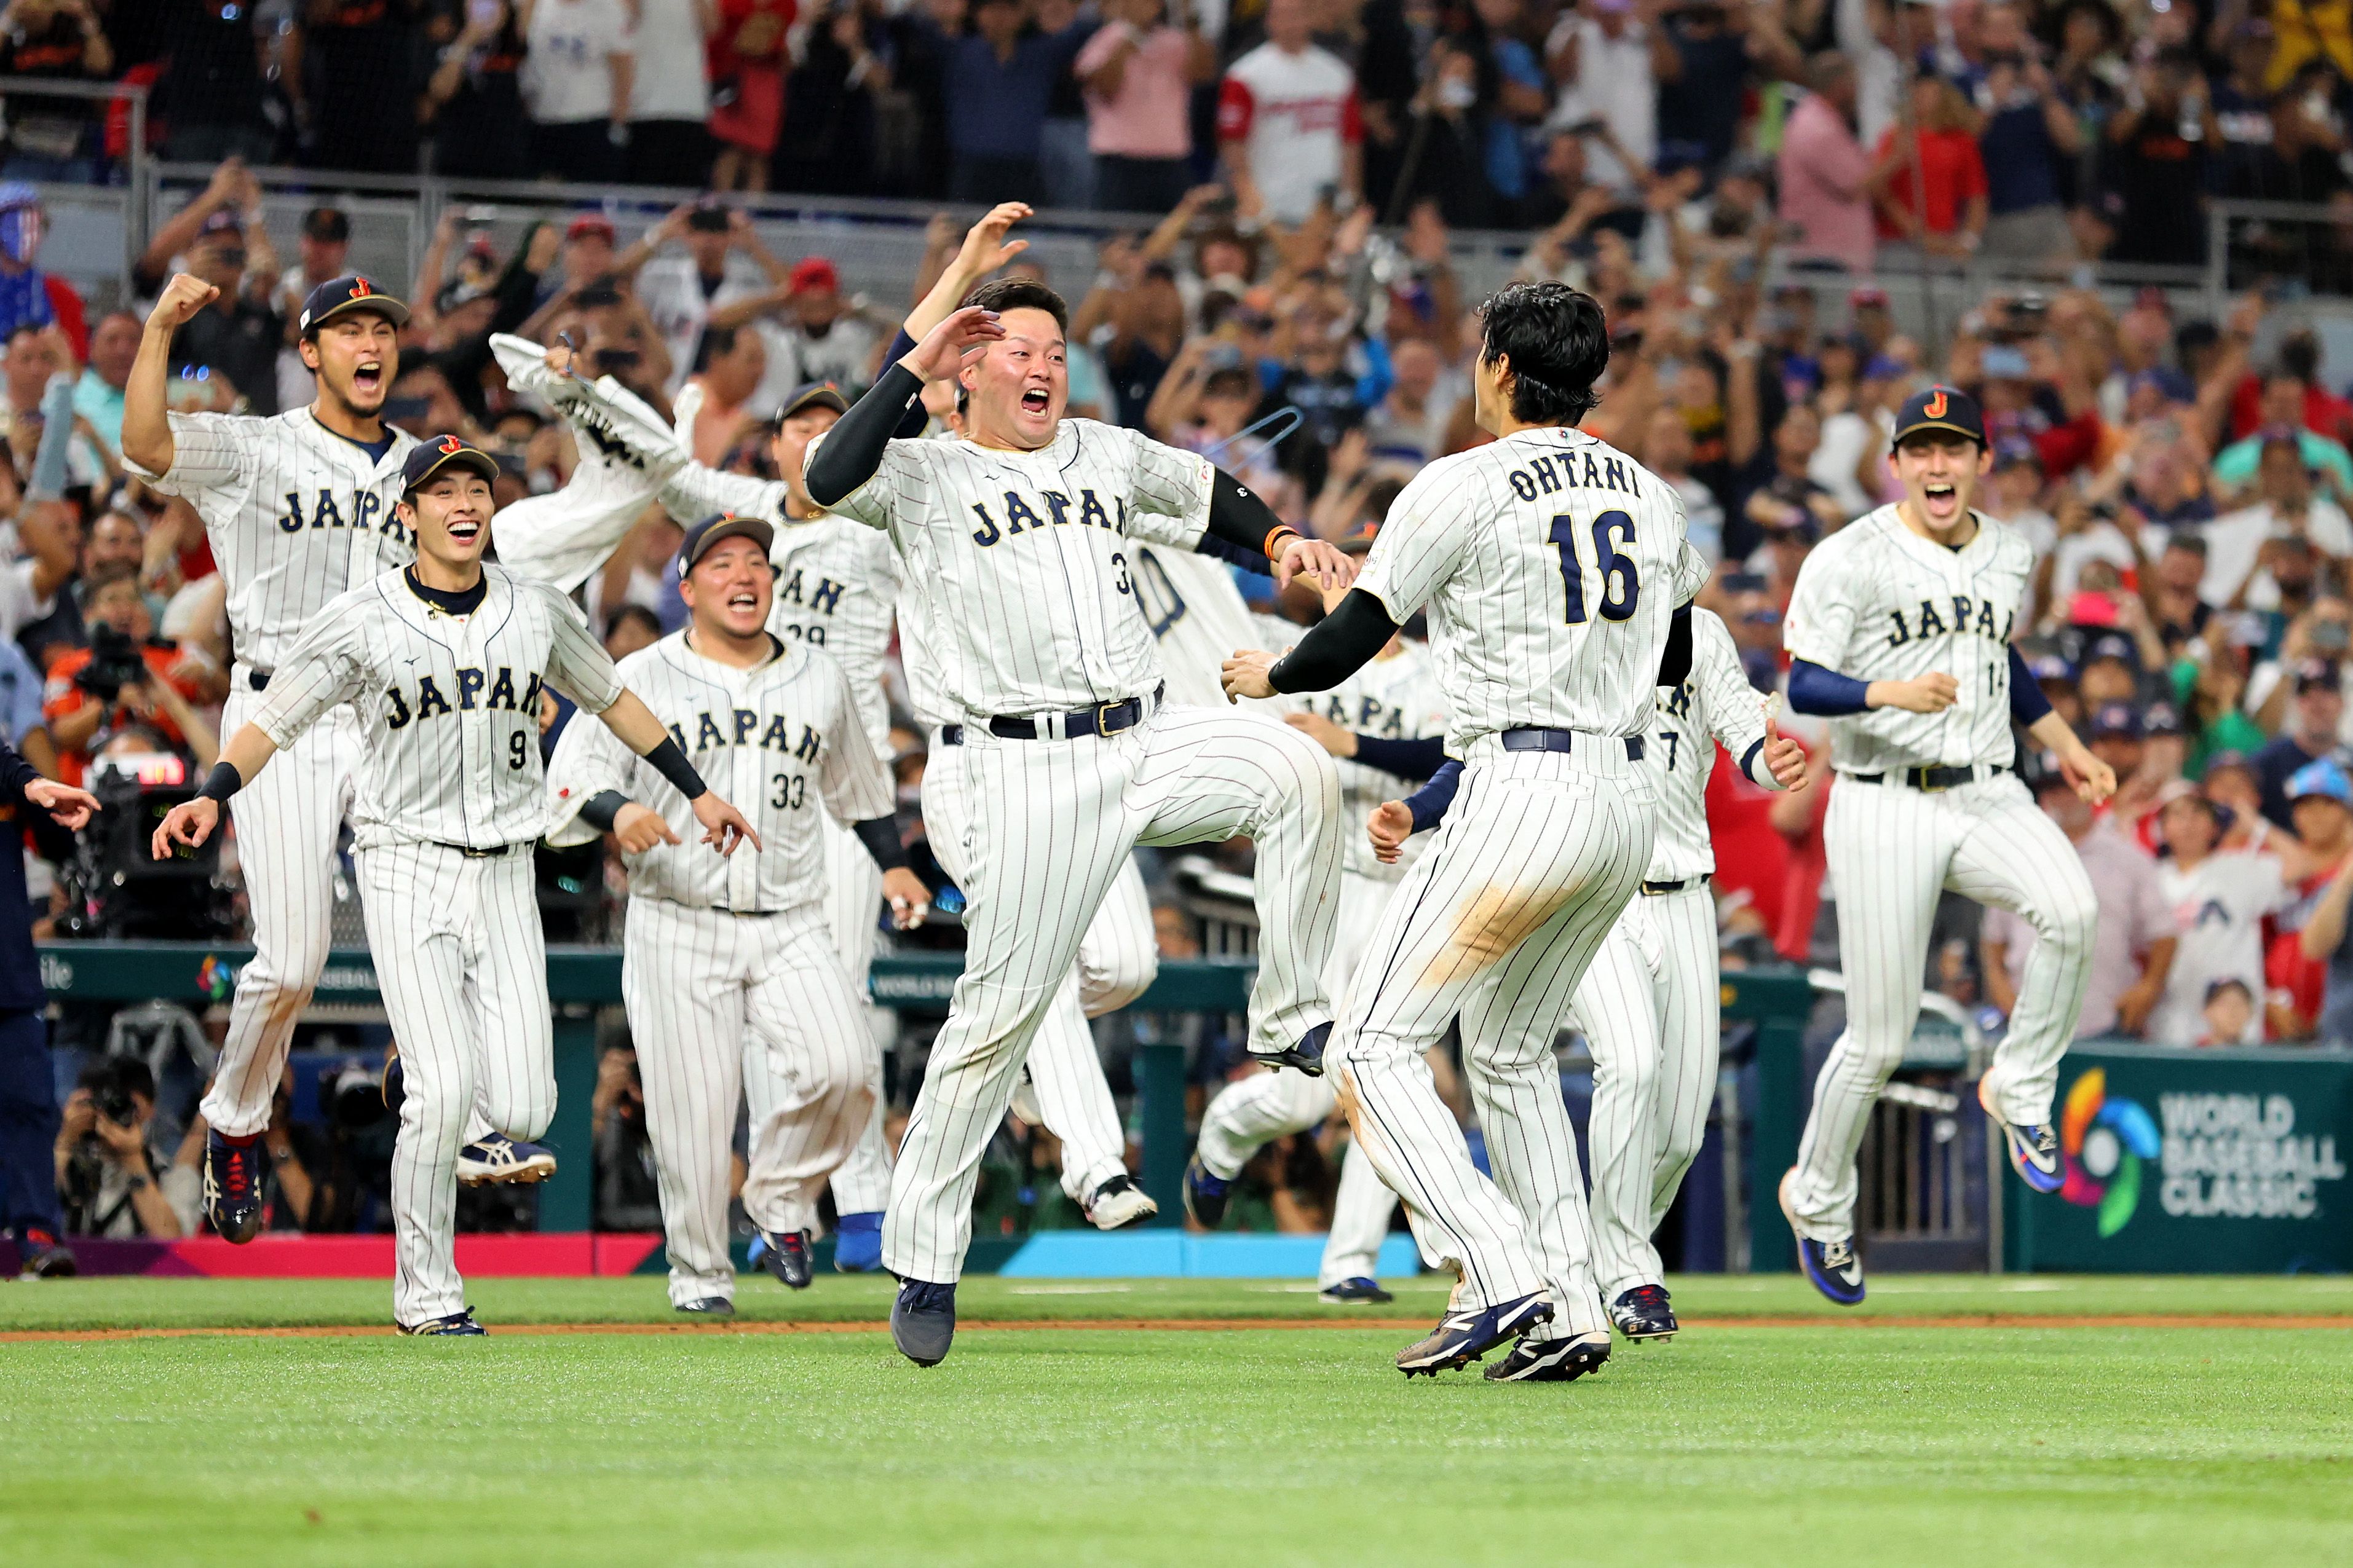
column 1550, row 563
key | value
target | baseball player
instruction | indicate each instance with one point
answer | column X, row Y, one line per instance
column 1016, row 542
column 1648, row 1005
column 1899, row 632
column 1553, row 568
column 442, row 663
column 712, row 945
column 1368, row 722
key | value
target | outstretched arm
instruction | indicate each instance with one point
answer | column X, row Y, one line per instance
column 852, row 450
column 634, row 724
column 192, row 822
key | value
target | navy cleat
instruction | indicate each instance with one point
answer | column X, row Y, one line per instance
column 41, row 1255
column 1465, row 1334
column 457, row 1322
column 233, row 1187
column 709, row 1307
column 2033, row 1147
column 786, row 1255
column 499, row 1158
column 1307, row 1056
column 923, row 1322
column 1643, row 1313
column 1831, row 1266
column 857, row 1243
column 1564, row 1360
column 1357, row 1292
column 1205, row 1194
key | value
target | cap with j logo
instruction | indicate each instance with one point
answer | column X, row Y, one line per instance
column 1945, row 408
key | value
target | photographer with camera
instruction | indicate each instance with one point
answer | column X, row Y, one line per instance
column 126, row 676
column 115, row 1183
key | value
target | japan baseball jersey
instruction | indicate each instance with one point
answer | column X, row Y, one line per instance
column 295, row 514
column 1713, row 703
column 837, row 583
column 1023, row 559
column 1531, row 553
column 1393, row 699
column 1876, row 601
column 1198, row 617
column 448, row 705
column 782, row 739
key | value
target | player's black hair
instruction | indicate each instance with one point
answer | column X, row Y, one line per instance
column 1003, row 294
column 1559, row 344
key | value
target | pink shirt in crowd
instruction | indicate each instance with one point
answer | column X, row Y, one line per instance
column 1822, row 170
column 1147, row 117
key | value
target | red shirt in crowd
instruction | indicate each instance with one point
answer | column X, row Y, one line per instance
column 1952, row 174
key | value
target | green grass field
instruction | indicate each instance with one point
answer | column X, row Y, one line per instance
column 1748, row 1441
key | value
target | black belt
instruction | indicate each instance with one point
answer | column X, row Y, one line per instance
column 258, row 679
column 1104, row 719
column 747, row 914
column 1653, row 889
column 1565, row 741
column 470, row 853
column 1931, row 780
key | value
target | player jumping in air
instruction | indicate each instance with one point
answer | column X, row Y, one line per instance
column 1899, row 633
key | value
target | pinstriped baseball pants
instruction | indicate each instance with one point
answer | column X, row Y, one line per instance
column 1497, row 924
column 853, row 906
column 1267, row 1105
column 1050, row 827
column 1891, row 851
column 1653, row 1021
column 756, row 1004
column 287, row 822
column 462, row 965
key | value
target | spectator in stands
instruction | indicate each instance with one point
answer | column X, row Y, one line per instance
column 33, row 358
column 1140, row 68
column 1930, row 184
column 827, row 339
column 2155, row 175
column 831, row 134
column 92, row 692
column 1003, row 77
column 1289, row 131
column 474, row 98
column 706, row 264
column 212, row 97
column 1825, row 174
column 2281, row 410
column 749, row 59
column 2239, row 545
column 577, row 78
column 1603, row 55
column 2313, row 732
column 28, row 296
column 54, row 138
column 349, row 68
column 30, row 585
column 729, row 373
column 2219, row 900
column 2133, row 948
column 114, row 1182
column 631, row 628
column 1703, row 76
column 670, row 93
column 2029, row 138
column 219, row 236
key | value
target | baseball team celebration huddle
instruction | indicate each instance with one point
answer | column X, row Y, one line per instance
column 1474, row 789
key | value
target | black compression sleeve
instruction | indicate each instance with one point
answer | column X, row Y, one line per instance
column 1675, row 664
column 599, row 810
column 881, row 836
column 917, row 416
column 1233, row 554
column 1240, row 518
column 852, row 449
column 1413, row 760
column 1340, row 644
column 672, row 763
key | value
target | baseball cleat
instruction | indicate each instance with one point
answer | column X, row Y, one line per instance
column 857, row 1243
column 1358, row 1291
column 923, row 1322
column 709, row 1307
column 1307, row 1056
column 1205, row 1194
column 1462, row 1336
column 1119, row 1202
column 2033, row 1147
column 1642, row 1313
column 1564, row 1360
column 499, row 1158
column 786, row 1255
column 457, row 1322
column 1831, row 1266
column 41, row 1255
column 233, row 1187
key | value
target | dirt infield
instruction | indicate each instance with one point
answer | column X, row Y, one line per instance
column 1177, row 1325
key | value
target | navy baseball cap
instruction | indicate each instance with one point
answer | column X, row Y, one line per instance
column 812, row 394
column 719, row 526
column 1946, row 408
column 2115, row 645
column 2117, row 719
column 428, row 458
column 347, row 296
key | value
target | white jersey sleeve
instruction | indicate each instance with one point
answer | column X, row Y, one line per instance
column 209, row 451
column 898, row 482
column 1713, row 703
column 1420, row 544
column 1819, row 627
column 577, row 664
column 588, row 760
column 1169, row 494
column 852, row 778
column 1735, row 709
column 324, row 667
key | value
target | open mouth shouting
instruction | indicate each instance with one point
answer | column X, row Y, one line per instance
column 1942, row 499
column 465, row 528
column 743, row 602
column 367, row 378
column 1036, row 400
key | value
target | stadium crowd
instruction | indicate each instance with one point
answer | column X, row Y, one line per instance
column 2185, row 482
